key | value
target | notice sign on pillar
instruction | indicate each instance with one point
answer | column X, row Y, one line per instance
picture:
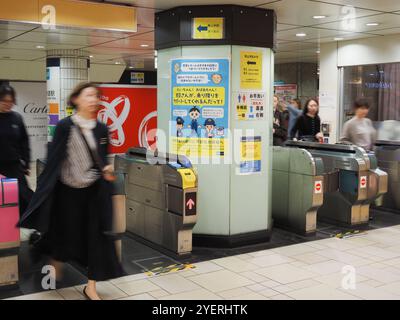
column 250, row 156
column 199, row 107
column 53, row 99
column 208, row 28
column 251, row 70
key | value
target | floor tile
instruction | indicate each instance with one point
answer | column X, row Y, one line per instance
column 377, row 274
column 251, row 296
column 335, row 280
column 235, row 264
column 373, row 283
column 294, row 250
column 138, row 286
column 253, row 276
column 270, row 260
column 270, row 284
column 233, row 293
column 140, row 276
column 206, row 267
column 303, row 284
column 283, row 288
column 393, row 288
column 367, row 292
column 269, row 293
column 285, row 273
column 201, row 294
column 320, row 292
column 108, row 291
column 326, row 267
column 48, row 295
column 71, row 294
column 174, row 283
column 159, row 293
column 281, row 297
column 143, row 296
column 221, row 280
column 310, row 258
column 256, row 287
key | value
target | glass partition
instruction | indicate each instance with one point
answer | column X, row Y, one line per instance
column 380, row 85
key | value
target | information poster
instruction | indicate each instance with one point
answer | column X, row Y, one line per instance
column 53, row 99
column 286, row 92
column 137, row 77
column 32, row 105
column 251, row 70
column 250, row 105
column 199, row 106
column 250, row 155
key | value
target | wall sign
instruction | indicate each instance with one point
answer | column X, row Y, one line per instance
column 137, row 77
column 250, row 105
column 32, row 105
column 250, row 155
column 199, row 106
column 251, row 76
column 208, row 28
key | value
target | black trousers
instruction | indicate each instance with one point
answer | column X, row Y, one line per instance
column 15, row 170
column 75, row 233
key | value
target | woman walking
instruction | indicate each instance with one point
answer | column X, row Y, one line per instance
column 72, row 206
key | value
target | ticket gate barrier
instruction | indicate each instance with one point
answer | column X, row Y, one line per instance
column 161, row 198
column 297, row 193
column 388, row 155
column 119, row 205
column 352, row 181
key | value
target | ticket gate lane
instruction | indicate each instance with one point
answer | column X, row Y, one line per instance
column 297, row 189
column 348, row 171
column 161, row 198
column 388, row 155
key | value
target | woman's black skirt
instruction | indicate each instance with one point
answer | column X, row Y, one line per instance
column 75, row 234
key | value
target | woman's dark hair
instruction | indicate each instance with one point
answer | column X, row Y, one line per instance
column 361, row 103
column 6, row 90
column 305, row 110
column 78, row 90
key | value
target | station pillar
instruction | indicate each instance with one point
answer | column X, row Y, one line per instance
column 64, row 70
column 215, row 91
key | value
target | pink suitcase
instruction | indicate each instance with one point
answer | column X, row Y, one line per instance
column 9, row 233
column 9, row 211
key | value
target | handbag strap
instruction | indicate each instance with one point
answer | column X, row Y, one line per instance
column 97, row 161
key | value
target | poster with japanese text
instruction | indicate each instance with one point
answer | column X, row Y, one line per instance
column 199, row 106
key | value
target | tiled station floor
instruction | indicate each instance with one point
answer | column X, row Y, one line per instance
column 309, row 270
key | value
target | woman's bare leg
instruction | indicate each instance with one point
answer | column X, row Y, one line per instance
column 91, row 290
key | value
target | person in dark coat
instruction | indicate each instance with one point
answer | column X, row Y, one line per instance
column 15, row 153
column 308, row 125
column 280, row 125
column 72, row 206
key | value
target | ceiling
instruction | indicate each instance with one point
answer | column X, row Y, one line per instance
column 30, row 42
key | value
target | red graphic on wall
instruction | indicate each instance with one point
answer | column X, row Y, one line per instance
column 130, row 113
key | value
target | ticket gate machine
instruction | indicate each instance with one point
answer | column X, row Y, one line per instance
column 161, row 198
column 352, row 181
column 297, row 193
column 388, row 155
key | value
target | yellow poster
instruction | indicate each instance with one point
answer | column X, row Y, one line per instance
column 199, row 96
column 251, row 70
column 208, row 28
column 250, row 155
column 196, row 148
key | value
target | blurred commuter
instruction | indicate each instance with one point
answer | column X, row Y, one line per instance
column 295, row 110
column 72, row 206
column 359, row 130
column 280, row 124
column 308, row 125
column 15, row 153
